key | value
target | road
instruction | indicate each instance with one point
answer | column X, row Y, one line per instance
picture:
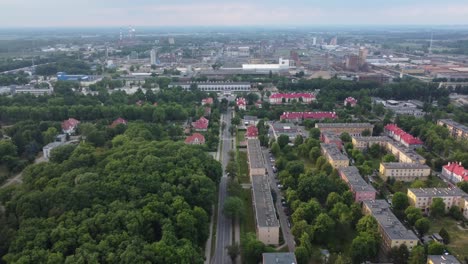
column 287, row 235
column 224, row 224
column 19, row 177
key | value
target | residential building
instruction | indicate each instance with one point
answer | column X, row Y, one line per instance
column 464, row 206
column 14, row 89
column 279, row 258
column 207, row 101
column 252, row 132
column 255, row 158
column 406, row 172
column 288, row 129
column 69, row 126
column 300, row 116
column 267, row 224
column 422, row 197
column 241, row 103
column 442, row 259
column 118, row 121
column 195, row 139
column 214, row 86
column 361, row 143
column 329, row 137
column 280, row 98
column 457, row 130
column 334, row 156
column 153, row 58
column 250, row 120
column 359, row 187
column 201, row 124
column 350, row 101
column 404, row 154
column 392, row 231
column 399, row 135
column 455, row 172
column 353, row 129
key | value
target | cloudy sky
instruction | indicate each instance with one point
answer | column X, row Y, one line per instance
column 100, row 13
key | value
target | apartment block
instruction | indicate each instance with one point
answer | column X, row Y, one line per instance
column 255, row 158
column 329, row 137
column 404, row 171
column 267, row 224
column 359, row 187
column 392, row 231
column 361, row 143
column 334, row 156
column 353, row 129
column 404, row 154
column 457, row 130
column 422, row 197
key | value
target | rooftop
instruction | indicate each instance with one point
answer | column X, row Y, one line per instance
column 255, row 154
column 454, row 124
column 333, row 151
column 401, row 165
column 408, row 152
column 372, row 139
column 353, row 125
column 443, row 259
column 263, row 202
column 355, row 179
column 388, row 222
column 279, row 258
column 437, row 192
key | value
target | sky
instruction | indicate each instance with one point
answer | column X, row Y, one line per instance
column 157, row 13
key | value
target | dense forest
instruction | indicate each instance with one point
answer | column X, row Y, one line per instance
column 137, row 202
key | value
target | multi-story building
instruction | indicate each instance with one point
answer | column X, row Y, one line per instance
column 329, row 137
column 279, row 258
column 402, row 137
column 214, row 86
column 255, row 158
column 464, row 206
column 455, row 172
column 267, row 225
column 353, row 129
column 366, row 142
column 422, row 197
column 392, row 231
column 299, row 116
column 404, row 154
column 288, row 129
column 404, row 171
column 279, row 98
column 457, row 130
column 361, row 189
column 442, row 259
column 334, row 156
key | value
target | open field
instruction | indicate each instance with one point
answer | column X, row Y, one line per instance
column 458, row 238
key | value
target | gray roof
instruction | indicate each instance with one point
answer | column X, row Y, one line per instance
column 279, row 258
column 332, row 125
column 333, row 151
column 437, row 192
column 331, row 135
column 372, row 139
column 454, row 124
column 355, row 179
column 388, row 221
column 263, row 202
column 401, row 165
column 255, row 154
column 250, row 118
column 408, row 152
column 208, row 83
column 443, row 259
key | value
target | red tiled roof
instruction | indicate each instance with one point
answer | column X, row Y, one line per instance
column 252, row 131
column 406, row 137
column 292, row 95
column 70, row 124
column 201, row 123
column 308, row 115
column 240, row 101
column 194, row 137
column 351, row 100
column 457, row 169
column 118, row 121
column 208, row 100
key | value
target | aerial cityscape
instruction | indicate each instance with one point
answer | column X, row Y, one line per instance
column 234, row 132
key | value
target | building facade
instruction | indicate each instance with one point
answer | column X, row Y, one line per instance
column 214, row 86
column 422, row 197
column 457, row 130
column 361, row 190
column 334, row 156
column 353, row 129
column 406, row 172
column 362, row 143
column 455, row 172
column 280, row 98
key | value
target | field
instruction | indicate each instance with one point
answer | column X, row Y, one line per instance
column 248, row 221
column 458, row 245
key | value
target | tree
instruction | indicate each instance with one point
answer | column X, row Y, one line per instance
column 389, row 158
column 437, row 207
column 456, row 213
column 275, row 149
column 314, row 133
column 364, row 247
column 252, row 249
column 367, row 224
column 417, row 255
column 400, row 201
column 61, row 153
column 283, row 140
column 399, row 254
column 323, row 228
column 435, row 248
column 298, row 140
column 422, row 225
column 366, row 133
column 49, row 135
column 345, row 137
column 233, row 207
column 235, row 121
column 463, row 185
column 413, row 214
column 418, row 184
column 314, row 154
column 302, row 255
column 445, row 235
column 233, row 251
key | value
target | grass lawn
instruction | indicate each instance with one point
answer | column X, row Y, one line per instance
column 243, row 167
column 247, row 223
column 240, row 136
column 458, row 238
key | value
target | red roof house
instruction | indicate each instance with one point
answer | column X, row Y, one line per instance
column 350, row 101
column 118, row 121
column 398, row 134
column 201, row 124
column 207, row 101
column 195, row 139
column 455, row 172
column 241, row 103
column 69, row 126
column 252, row 132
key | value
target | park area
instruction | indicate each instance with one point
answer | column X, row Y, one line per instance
column 458, row 245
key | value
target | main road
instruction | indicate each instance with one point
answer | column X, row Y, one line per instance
column 224, row 224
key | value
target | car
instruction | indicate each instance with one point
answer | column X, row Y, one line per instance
column 284, row 203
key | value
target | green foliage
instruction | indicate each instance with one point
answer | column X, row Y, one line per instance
column 417, row 255
column 413, row 214
column 456, row 213
column 463, row 185
column 233, row 207
column 422, row 225
column 400, row 201
column 252, row 249
column 445, row 235
column 275, row 149
column 61, row 153
column 437, row 207
column 314, row 133
column 345, row 137
column 364, row 247
column 283, row 140
column 435, row 248
column 389, row 158
column 399, row 254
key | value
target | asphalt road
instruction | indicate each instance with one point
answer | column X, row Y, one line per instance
column 288, row 237
column 224, row 224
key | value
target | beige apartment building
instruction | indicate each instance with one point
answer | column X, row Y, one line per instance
column 334, row 155
column 422, row 197
column 392, row 231
column 404, row 171
column 403, row 154
column 457, row 130
column 267, row 224
column 366, row 142
column 255, row 158
column 353, row 129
